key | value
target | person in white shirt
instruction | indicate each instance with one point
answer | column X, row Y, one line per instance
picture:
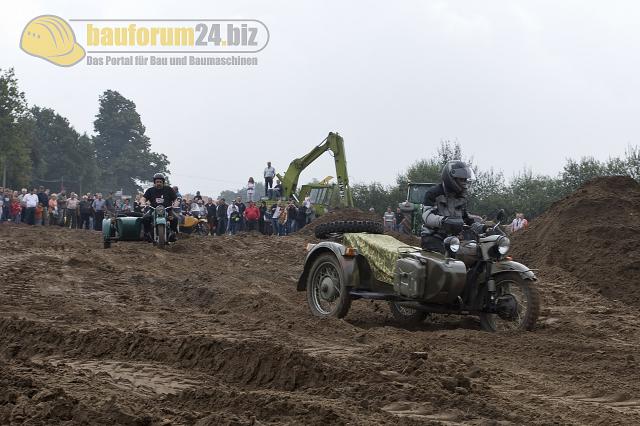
column 31, row 202
column 389, row 218
column 251, row 187
column 269, row 174
column 519, row 223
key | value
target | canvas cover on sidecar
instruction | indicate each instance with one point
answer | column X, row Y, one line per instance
column 382, row 252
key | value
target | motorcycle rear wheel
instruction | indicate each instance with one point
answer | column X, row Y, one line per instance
column 528, row 305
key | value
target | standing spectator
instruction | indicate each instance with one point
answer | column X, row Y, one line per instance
column 110, row 205
column 15, row 210
column 72, row 211
column 251, row 188
column 388, row 219
column 221, row 212
column 519, row 223
column 53, row 209
column 234, row 218
column 399, row 218
column 3, row 216
column 197, row 197
column 262, row 219
column 126, row 206
column 282, row 219
column 276, row 212
column 301, row 218
column 30, row 202
column 99, row 207
column 62, row 208
column 212, row 218
column 6, row 204
column 309, row 210
column 23, row 192
column 178, row 194
column 269, row 174
column 43, row 198
column 91, row 198
column 251, row 216
column 292, row 215
column 85, row 210
column 241, row 208
column 39, row 212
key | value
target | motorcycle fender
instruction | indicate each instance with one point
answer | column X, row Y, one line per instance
column 511, row 266
column 349, row 267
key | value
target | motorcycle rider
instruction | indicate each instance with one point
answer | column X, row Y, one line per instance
column 446, row 206
column 160, row 194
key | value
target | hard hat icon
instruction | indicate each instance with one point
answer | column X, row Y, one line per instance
column 51, row 38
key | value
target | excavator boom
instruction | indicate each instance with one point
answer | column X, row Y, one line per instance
column 333, row 143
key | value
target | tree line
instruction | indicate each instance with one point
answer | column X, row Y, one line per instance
column 40, row 147
column 526, row 192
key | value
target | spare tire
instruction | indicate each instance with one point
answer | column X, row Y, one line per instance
column 342, row 226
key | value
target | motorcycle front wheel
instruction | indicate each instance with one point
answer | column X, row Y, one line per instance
column 162, row 236
column 518, row 305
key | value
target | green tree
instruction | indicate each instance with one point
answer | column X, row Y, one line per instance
column 488, row 193
column 123, row 150
column 59, row 153
column 632, row 159
column 373, row 195
column 15, row 126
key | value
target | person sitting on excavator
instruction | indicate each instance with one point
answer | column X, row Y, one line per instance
column 446, row 206
column 160, row 195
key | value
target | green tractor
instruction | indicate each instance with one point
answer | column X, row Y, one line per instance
column 413, row 208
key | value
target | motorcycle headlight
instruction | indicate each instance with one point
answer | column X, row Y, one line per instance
column 160, row 210
column 452, row 244
column 504, row 244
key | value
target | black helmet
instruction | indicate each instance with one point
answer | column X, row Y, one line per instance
column 158, row 176
column 456, row 176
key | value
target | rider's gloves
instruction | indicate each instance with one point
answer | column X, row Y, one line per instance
column 452, row 225
column 478, row 228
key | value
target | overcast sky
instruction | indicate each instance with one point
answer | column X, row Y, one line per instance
column 517, row 83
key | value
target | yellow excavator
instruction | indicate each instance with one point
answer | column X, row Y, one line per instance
column 323, row 195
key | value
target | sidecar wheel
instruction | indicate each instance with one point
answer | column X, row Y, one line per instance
column 520, row 305
column 106, row 244
column 327, row 292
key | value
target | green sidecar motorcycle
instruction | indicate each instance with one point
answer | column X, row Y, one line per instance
column 130, row 227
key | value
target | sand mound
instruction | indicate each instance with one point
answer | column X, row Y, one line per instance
column 592, row 234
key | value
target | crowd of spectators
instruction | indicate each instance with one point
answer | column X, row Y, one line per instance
column 41, row 207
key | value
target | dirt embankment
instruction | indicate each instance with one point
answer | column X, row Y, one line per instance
column 594, row 235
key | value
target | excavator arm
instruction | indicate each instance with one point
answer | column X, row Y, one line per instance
column 333, row 143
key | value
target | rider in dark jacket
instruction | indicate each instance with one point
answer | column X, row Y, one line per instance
column 445, row 204
column 160, row 195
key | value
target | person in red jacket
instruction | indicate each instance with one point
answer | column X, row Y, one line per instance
column 15, row 210
column 251, row 216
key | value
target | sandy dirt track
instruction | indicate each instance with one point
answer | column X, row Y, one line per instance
column 212, row 331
